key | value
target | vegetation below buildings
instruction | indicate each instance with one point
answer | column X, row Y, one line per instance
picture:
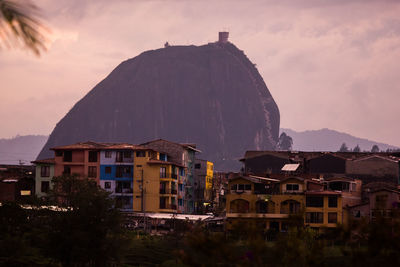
column 90, row 232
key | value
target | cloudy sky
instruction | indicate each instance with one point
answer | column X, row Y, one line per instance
column 328, row 64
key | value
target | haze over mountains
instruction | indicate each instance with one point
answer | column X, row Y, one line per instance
column 26, row 148
column 329, row 140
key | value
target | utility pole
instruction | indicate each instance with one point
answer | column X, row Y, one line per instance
column 143, row 203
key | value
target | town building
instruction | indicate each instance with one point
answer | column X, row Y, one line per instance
column 203, row 186
column 44, row 173
column 367, row 166
column 183, row 156
column 156, row 176
column 17, row 182
column 270, row 201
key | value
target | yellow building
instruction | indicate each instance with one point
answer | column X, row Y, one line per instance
column 158, row 183
column 270, row 202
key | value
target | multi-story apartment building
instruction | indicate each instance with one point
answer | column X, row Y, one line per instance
column 182, row 155
column 271, row 201
column 43, row 176
column 159, row 183
column 116, row 172
column 81, row 159
column 152, row 177
column 203, row 185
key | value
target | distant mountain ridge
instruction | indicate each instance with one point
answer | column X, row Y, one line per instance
column 21, row 149
column 329, row 140
column 26, row 148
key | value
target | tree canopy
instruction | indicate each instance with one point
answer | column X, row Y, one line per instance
column 343, row 148
column 285, row 142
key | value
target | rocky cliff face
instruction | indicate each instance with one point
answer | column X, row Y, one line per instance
column 211, row 95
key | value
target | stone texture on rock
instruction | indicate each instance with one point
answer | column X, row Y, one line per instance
column 211, row 95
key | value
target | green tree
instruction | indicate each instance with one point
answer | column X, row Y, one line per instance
column 375, row 149
column 89, row 232
column 357, row 148
column 19, row 27
column 285, row 142
column 344, row 148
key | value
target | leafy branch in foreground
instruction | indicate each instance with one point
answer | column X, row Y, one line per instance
column 19, row 27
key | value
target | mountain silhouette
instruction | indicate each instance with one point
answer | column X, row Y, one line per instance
column 210, row 95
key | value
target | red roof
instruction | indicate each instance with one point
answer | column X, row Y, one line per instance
column 98, row 146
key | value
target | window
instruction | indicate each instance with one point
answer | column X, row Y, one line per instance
column 59, row 153
column 316, row 202
column 67, row 170
column 45, row 186
column 163, row 157
column 108, row 170
column 107, row 185
column 92, row 171
column 119, row 157
column 292, row 187
column 139, row 166
column 332, row 217
column 180, row 202
column 381, row 201
column 127, row 154
column 197, row 166
column 240, row 187
column 353, row 186
column 67, row 156
column 126, row 185
column 108, row 154
column 314, row 217
column 45, row 171
column 140, row 154
column 92, row 156
column 180, row 187
column 163, row 172
column 123, row 171
column 332, row 202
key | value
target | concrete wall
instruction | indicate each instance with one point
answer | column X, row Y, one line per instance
column 39, row 179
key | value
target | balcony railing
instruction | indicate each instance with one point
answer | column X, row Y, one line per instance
column 123, row 190
column 168, row 176
column 168, row 206
column 168, row 191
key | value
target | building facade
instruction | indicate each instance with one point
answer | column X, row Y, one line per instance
column 271, row 202
column 43, row 176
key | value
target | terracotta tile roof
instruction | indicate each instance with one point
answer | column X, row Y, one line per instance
column 100, row 146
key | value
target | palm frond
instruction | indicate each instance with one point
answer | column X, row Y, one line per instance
column 19, row 27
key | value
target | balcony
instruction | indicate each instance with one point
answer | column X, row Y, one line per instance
column 168, row 191
column 123, row 190
column 168, row 176
column 168, row 206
